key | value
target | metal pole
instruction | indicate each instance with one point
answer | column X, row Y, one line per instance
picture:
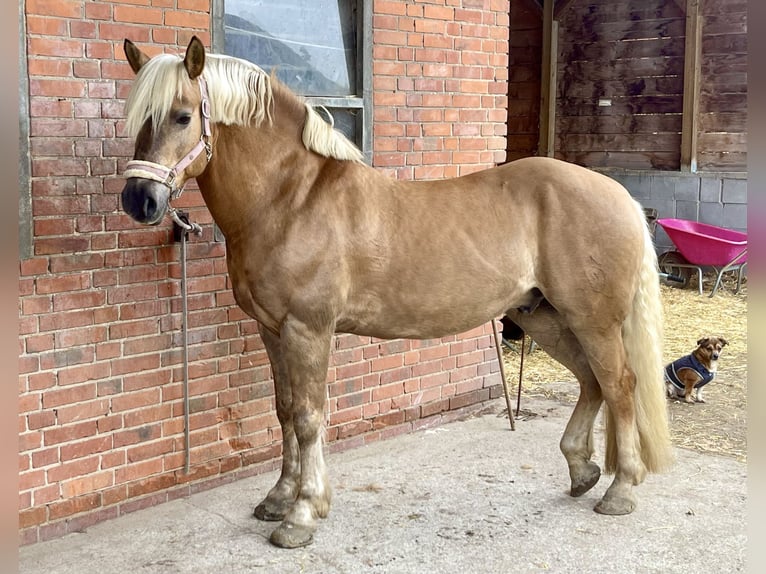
column 185, row 338
column 521, row 371
column 502, row 374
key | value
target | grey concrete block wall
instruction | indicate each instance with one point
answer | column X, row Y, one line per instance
column 715, row 198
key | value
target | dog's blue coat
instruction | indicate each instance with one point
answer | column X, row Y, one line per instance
column 687, row 362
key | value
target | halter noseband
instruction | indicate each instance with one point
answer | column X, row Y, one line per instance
column 167, row 176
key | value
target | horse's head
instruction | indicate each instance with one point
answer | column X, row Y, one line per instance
column 168, row 112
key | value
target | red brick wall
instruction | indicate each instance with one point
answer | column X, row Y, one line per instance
column 100, row 385
column 440, row 83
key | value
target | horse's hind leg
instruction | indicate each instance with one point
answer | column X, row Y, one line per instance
column 547, row 328
column 282, row 496
column 305, row 353
column 607, row 357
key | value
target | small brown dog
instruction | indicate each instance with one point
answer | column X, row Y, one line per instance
column 686, row 376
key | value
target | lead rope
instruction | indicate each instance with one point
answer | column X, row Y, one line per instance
column 182, row 227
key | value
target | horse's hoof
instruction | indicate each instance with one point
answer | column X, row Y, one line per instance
column 586, row 480
column 288, row 535
column 271, row 511
column 615, row 506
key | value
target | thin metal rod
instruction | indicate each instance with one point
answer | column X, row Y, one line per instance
column 521, row 370
column 502, row 375
column 184, row 334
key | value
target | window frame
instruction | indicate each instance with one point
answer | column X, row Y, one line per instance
column 362, row 101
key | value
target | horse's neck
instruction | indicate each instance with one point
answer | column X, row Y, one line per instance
column 255, row 171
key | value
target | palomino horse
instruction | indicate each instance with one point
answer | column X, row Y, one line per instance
column 318, row 243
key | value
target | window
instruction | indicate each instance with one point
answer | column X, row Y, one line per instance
column 320, row 48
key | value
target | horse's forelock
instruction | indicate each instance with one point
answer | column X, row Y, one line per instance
column 240, row 92
column 158, row 83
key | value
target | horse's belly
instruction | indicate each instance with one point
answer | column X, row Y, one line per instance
column 428, row 314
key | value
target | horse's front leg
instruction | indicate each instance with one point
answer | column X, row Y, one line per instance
column 281, row 498
column 305, row 351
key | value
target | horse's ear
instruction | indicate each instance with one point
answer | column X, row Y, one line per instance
column 194, row 62
column 136, row 58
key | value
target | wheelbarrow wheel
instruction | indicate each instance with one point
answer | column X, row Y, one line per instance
column 668, row 263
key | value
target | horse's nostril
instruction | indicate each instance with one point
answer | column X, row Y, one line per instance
column 150, row 206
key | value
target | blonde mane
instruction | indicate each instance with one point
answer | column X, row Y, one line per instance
column 241, row 93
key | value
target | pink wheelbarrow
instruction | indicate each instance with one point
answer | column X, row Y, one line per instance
column 701, row 245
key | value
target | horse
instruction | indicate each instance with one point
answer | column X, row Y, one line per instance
column 318, row 242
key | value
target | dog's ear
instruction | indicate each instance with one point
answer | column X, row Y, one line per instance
column 702, row 341
column 723, row 341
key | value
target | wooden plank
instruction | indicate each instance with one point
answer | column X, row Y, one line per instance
column 548, row 84
column 621, row 106
column 597, row 70
column 629, row 87
column 725, row 44
column 628, row 160
column 618, row 50
column 728, row 83
column 631, row 30
column 636, row 124
column 560, row 8
column 724, row 7
column 722, row 161
column 735, row 122
column 729, row 23
column 692, row 71
column 731, row 142
column 610, row 12
column 715, row 102
column 667, row 142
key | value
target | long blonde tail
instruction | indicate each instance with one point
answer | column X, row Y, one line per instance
column 642, row 337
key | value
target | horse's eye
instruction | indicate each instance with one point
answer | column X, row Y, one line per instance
column 184, row 120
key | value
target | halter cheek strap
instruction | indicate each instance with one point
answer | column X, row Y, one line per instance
column 167, row 176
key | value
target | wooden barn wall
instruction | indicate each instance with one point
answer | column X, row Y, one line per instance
column 722, row 143
column 525, row 40
column 629, row 52
column 632, row 53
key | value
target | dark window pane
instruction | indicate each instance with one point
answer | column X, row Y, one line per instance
column 310, row 43
column 344, row 120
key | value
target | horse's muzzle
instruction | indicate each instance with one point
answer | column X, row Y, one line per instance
column 145, row 201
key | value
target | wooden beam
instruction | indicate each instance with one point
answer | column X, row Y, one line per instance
column 561, row 6
column 692, row 72
column 547, row 139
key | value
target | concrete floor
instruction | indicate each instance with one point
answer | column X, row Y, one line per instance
column 470, row 496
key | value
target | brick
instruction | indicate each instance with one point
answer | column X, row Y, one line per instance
column 32, row 517
column 71, row 469
column 82, row 411
column 69, row 433
column 58, row 167
column 112, row 31
column 39, row 343
column 137, row 14
column 135, row 400
column 187, row 20
column 45, row 457
column 152, row 484
column 59, row 48
column 38, row 420
column 98, row 11
column 46, row 26
column 87, row 484
column 72, row 506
